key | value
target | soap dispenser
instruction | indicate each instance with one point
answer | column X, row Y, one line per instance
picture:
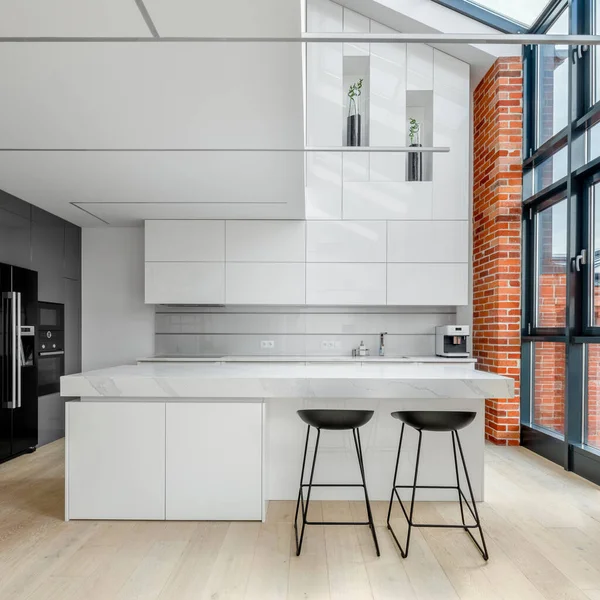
column 362, row 349
column 382, row 343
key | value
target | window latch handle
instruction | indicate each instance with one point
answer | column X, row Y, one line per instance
column 580, row 259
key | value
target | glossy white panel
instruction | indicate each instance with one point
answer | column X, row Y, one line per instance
column 355, row 23
column 419, row 67
column 214, row 461
column 184, row 241
column 185, row 283
column 428, row 241
column 265, row 283
column 324, row 74
column 345, row 284
column 323, row 185
column 451, row 171
column 387, row 107
column 356, row 166
column 116, row 460
column 428, row 284
column 379, row 200
column 346, row 241
column 265, row 241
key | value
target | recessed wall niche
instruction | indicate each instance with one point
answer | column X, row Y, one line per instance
column 419, row 106
column 355, row 69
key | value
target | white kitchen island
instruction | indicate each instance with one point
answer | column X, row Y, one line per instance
column 217, row 441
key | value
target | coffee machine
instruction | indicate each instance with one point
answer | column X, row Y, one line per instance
column 451, row 341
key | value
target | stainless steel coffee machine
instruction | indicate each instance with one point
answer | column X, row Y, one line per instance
column 451, row 341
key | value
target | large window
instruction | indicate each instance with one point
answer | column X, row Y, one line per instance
column 560, row 397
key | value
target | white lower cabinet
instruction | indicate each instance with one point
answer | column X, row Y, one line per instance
column 115, row 466
column 214, row 461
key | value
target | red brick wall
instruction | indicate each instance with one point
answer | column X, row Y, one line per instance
column 498, row 139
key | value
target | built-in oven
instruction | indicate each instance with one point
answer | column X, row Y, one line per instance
column 51, row 348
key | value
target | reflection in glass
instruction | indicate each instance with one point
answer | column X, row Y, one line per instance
column 595, row 221
column 553, row 83
column 551, row 170
column 592, row 409
column 522, row 11
column 549, row 379
column 551, row 252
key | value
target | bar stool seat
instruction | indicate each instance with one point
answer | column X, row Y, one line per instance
column 333, row 420
column 435, row 420
column 439, row 421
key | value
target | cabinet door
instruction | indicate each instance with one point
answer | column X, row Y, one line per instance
column 48, row 254
column 72, row 326
column 214, row 461
column 72, row 252
column 185, row 283
column 116, row 460
column 15, row 231
column 185, row 241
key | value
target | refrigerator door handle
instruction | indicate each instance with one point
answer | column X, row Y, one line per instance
column 12, row 350
column 18, row 349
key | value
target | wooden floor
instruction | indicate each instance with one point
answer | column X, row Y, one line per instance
column 542, row 526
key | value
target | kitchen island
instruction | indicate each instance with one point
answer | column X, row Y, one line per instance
column 218, row 440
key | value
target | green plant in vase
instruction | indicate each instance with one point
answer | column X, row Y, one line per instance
column 354, row 129
column 415, row 159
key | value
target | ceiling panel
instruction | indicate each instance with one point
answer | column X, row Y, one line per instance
column 124, row 214
column 219, row 184
column 71, row 18
column 226, row 17
column 160, row 95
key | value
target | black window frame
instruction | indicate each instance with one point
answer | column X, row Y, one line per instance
column 570, row 451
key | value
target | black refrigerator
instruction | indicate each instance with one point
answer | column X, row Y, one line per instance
column 18, row 361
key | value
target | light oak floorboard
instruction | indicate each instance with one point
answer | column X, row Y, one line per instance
column 542, row 527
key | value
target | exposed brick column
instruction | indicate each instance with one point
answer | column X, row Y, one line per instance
column 498, row 139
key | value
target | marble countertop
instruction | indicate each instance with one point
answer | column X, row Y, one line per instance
column 286, row 380
column 306, row 359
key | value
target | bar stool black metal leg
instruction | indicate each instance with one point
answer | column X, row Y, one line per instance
column 305, row 507
column 358, row 446
column 395, row 477
column 474, row 511
column 409, row 517
column 462, row 512
column 300, row 501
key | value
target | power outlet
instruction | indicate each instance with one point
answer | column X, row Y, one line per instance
column 267, row 344
column 327, row 345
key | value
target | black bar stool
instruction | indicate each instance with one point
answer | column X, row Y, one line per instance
column 335, row 420
column 448, row 421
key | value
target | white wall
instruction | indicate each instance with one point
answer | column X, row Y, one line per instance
column 117, row 327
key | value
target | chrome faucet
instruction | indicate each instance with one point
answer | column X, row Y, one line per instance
column 382, row 343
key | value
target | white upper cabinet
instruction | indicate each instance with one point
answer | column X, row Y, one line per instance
column 265, row 283
column 185, row 241
column 345, row 284
column 265, row 241
column 185, row 283
column 346, row 241
column 451, row 127
column 419, row 67
column 427, row 284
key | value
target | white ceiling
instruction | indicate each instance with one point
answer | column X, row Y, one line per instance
column 145, row 102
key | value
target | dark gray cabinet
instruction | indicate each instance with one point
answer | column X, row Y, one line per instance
column 15, row 231
column 48, row 254
column 35, row 239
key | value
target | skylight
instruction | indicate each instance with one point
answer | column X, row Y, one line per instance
column 521, row 11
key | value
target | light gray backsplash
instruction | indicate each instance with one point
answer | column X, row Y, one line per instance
column 239, row 330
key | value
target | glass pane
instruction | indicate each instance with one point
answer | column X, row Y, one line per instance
column 595, row 219
column 596, row 90
column 522, row 11
column 592, row 416
column 551, row 251
column 594, row 142
column 551, row 170
column 549, row 386
column 553, row 80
